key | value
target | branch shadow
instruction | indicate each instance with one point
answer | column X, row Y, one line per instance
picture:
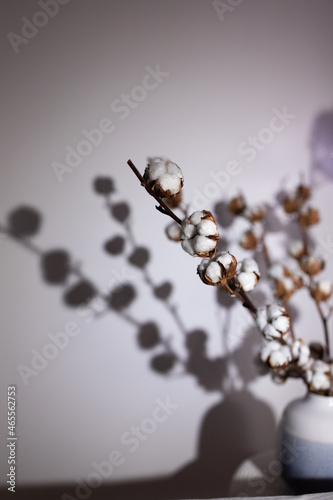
column 238, row 426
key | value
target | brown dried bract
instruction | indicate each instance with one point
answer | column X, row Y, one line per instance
column 249, row 240
column 312, row 265
column 237, row 205
column 309, row 217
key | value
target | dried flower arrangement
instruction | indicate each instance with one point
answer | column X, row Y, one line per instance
column 283, row 354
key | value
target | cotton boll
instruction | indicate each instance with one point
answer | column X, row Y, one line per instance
column 274, row 311
column 163, row 177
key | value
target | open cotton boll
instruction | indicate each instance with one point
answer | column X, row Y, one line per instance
column 218, row 269
column 163, row 177
column 321, row 290
column 200, row 227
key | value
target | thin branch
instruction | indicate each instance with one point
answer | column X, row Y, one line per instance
column 324, row 320
column 163, row 207
column 287, row 308
column 25, row 242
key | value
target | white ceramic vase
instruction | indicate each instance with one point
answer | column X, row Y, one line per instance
column 305, row 444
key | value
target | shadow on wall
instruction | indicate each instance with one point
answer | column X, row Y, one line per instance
column 235, row 428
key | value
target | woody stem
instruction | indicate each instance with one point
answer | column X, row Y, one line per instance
column 326, row 334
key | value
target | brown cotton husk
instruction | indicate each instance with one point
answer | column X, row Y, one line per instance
column 310, row 217
column 317, row 350
column 237, row 205
column 312, row 265
column 303, row 192
column 249, row 241
column 175, row 200
column 281, row 292
column 291, row 205
column 319, row 295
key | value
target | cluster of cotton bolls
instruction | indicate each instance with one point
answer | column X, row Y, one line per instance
column 283, row 354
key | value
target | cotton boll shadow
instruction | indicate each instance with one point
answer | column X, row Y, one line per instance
column 24, row 222
column 103, row 185
column 139, row 257
column 163, row 363
column 272, row 221
column 121, row 297
column 55, row 266
column 222, row 214
column 163, row 291
column 224, row 299
column 120, row 211
column 115, row 245
column 148, row 335
column 321, row 143
column 79, row 294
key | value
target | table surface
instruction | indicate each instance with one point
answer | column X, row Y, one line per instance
column 259, row 476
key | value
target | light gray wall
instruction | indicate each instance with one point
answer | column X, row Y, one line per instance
column 222, row 80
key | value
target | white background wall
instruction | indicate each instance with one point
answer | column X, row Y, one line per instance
column 224, row 78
